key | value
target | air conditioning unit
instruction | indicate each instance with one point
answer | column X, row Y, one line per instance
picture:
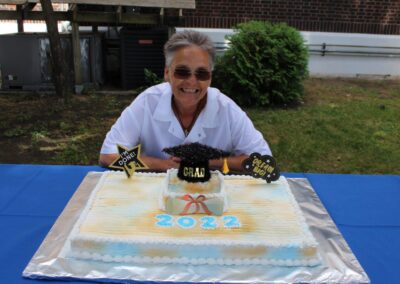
column 141, row 49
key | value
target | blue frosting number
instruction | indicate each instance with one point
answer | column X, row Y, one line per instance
column 186, row 222
column 231, row 222
column 165, row 220
column 209, row 222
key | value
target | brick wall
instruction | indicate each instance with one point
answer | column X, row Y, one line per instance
column 355, row 16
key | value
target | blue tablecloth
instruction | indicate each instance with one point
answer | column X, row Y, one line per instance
column 366, row 209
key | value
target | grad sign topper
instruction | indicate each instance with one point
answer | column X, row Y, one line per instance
column 128, row 160
column 194, row 165
column 261, row 167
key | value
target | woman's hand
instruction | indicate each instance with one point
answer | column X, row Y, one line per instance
column 158, row 164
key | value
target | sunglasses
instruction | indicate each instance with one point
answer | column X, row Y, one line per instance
column 183, row 73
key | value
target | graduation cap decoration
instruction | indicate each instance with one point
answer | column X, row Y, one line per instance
column 128, row 160
column 194, row 166
column 264, row 167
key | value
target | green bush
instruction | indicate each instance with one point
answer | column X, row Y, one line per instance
column 265, row 65
column 150, row 79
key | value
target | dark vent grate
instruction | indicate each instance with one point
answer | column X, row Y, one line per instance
column 141, row 49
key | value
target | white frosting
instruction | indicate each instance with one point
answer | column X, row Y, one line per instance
column 205, row 242
column 195, row 261
column 113, row 187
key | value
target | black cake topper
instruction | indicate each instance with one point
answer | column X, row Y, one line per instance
column 194, row 165
column 264, row 167
column 128, row 160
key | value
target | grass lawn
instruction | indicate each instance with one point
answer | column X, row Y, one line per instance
column 343, row 126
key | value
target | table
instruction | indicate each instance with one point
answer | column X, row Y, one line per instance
column 366, row 209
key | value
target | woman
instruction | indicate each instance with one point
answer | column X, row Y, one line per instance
column 182, row 110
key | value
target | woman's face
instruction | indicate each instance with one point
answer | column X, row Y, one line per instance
column 189, row 75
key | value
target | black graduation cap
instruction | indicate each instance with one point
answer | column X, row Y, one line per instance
column 194, row 166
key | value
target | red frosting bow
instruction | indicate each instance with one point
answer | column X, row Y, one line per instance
column 198, row 202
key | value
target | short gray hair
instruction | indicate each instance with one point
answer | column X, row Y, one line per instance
column 188, row 38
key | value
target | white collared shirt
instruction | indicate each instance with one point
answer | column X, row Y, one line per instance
column 150, row 121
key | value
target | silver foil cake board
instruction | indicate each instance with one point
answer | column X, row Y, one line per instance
column 339, row 265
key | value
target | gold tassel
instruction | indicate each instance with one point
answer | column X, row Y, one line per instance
column 225, row 168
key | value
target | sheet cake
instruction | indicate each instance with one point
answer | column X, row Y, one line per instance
column 123, row 222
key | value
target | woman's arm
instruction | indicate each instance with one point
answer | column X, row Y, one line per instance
column 234, row 163
column 155, row 164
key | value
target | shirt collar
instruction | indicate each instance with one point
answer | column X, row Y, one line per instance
column 208, row 118
column 163, row 111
